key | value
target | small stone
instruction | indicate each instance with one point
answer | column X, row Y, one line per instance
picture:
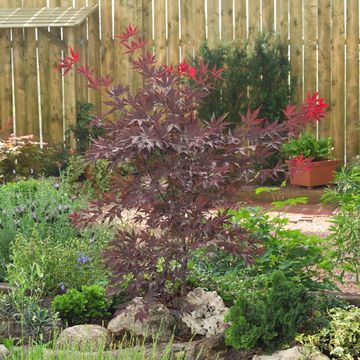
column 84, row 337
column 156, row 321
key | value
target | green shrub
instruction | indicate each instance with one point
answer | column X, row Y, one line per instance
column 77, row 307
column 41, row 204
column 308, row 145
column 83, row 132
column 253, row 77
column 267, row 313
column 22, row 313
column 69, row 263
column 294, row 253
column 346, row 187
column 87, row 180
column 344, row 239
column 341, row 339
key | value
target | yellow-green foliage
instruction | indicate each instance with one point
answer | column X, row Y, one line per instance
column 342, row 337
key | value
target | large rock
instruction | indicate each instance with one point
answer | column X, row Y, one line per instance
column 145, row 320
column 294, row 353
column 203, row 312
column 84, row 337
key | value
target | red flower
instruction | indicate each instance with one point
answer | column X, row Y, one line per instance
column 315, row 107
column 191, row 71
column 183, row 67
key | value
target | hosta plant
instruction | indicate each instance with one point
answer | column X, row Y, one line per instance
column 183, row 168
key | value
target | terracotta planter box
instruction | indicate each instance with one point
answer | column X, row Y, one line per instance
column 316, row 173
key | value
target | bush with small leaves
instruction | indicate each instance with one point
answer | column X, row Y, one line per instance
column 65, row 264
column 79, row 307
column 268, row 313
column 43, row 204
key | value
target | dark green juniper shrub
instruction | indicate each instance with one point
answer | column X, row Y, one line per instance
column 268, row 313
column 253, row 77
column 81, row 306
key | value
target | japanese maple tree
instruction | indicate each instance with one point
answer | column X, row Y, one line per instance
column 184, row 168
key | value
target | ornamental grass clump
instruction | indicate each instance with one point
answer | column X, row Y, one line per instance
column 183, row 168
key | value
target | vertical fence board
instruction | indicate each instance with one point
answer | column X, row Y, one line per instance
column 121, row 66
column 107, row 42
column 240, row 19
column 147, row 32
column 268, row 15
column 310, row 44
column 352, row 79
column 69, row 89
column 254, row 18
column 282, row 19
column 325, row 61
column 19, row 81
column 5, row 83
column 296, row 46
column 94, row 55
column 310, row 49
column 50, row 85
column 213, row 22
column 173, row 32
column 160, row 31
column 198, row 23
column 338, row 78
column 31, row 125
column 81, row 46
column 187, row 28
column 227, row 12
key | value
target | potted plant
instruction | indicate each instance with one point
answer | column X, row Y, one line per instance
column 310, row 162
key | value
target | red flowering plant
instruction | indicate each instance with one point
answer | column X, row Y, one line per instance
column 183, row 169
column 304, row 148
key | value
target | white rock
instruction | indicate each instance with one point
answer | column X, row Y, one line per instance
column 203, row 312
column 84, row 337
column 157, row 321
column 294, row 353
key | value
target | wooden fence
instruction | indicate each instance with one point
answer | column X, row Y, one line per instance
column 322, row 35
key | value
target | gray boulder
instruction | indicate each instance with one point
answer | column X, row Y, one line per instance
column 156, row 321
column 84, row 337
column 294, row 353
column 203, row 312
